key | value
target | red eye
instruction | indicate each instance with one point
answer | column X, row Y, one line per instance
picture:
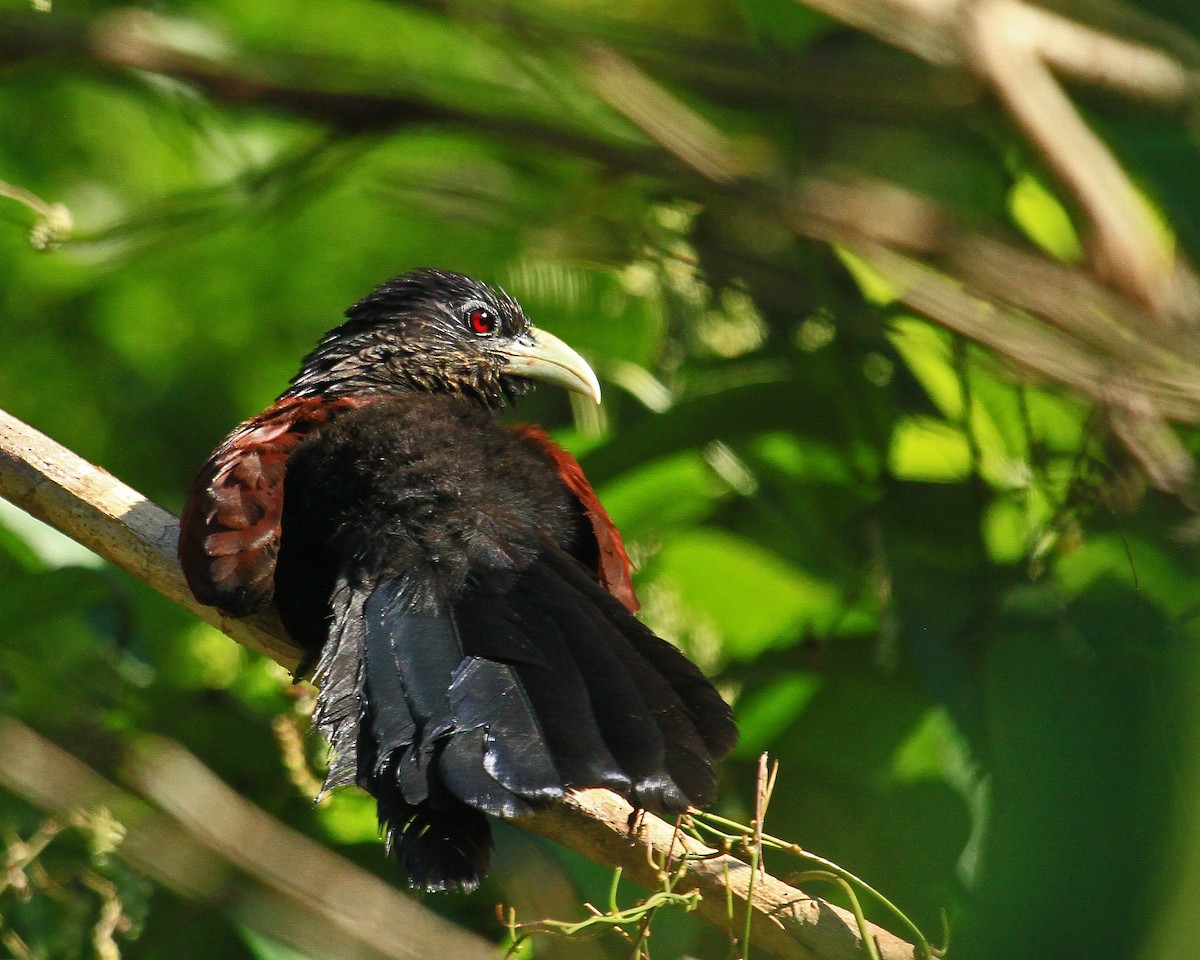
column 482, row 322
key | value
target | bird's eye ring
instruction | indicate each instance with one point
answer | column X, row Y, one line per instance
column 482, row 322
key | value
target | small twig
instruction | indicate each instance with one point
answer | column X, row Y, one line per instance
column 663, row 117
column 1127, row 250
column 54, row 223
column 291, row 749
column 731, row 830
column 22, row 853
column 855, row 906
column 112, row 917
column 762, row 798
column 16, row 946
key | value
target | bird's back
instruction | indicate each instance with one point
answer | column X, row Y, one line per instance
column 423, row 485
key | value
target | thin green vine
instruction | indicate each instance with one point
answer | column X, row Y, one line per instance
column 750, row 840
column 729, row 834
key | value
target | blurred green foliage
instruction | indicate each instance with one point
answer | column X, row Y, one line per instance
column 934, row 590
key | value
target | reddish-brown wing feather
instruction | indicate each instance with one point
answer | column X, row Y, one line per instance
column 613, row 564
column 230, row 528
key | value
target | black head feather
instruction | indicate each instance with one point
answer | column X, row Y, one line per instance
column 428, row 330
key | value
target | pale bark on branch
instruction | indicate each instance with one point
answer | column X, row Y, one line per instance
column 205, row 842
column 97, row 510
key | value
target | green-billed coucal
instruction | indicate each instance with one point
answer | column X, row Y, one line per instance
column 467, row 595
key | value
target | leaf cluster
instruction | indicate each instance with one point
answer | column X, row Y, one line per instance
column 943, row 584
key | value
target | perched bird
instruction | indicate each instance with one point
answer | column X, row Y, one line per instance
column 463, row 593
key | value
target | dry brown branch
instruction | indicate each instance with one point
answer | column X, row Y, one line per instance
column 284, row 861
column 1127, row 250
column 1021, row 50
column 97, row 510
column 664, row 118
column 213, row 846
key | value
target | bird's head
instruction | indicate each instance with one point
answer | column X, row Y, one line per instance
column 439, row 331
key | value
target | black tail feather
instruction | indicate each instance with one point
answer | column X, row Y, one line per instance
column 437, row 737
column 527, row 684
column 498, row 742
column 536, row 650
column 613, row 699
column 440, row 849
column 683, row 774
column 686, row 760
column 340, row 675
column 711, row 715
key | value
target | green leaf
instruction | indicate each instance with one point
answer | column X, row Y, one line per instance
column 677, row 491
column 753, row 598
column 1038, row 212
column 927, row 449
column 771, row 709
column 349, row 816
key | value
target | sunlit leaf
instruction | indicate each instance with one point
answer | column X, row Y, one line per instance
column 927, row 449
column 754, row 598
column 1038, row 212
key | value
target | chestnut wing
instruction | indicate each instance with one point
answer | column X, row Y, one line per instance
column 230, row 527
column 612, row 562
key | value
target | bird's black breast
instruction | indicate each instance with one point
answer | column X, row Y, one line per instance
column 424, row 485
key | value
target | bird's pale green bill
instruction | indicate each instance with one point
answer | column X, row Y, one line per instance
column 542, row 357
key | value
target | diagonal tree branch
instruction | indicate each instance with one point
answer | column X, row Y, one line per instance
column 204, row 841
column 116, row 522
column 1023, row 51
column 1015, row 45
column 97, row 510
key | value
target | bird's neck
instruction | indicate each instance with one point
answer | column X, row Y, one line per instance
column 367, row 365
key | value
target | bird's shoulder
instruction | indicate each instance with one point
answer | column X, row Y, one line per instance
column 230, row 526
column 609, row 560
